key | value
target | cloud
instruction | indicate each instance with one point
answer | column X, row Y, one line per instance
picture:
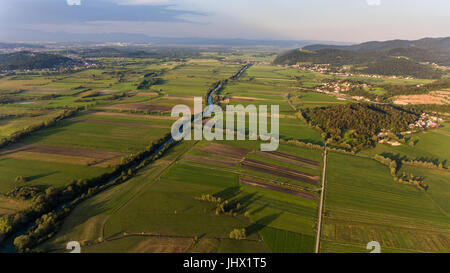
column 74, row 2
column 143, row 2
column 60, row 12
column 373, row 2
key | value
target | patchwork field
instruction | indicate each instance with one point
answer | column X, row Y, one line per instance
column 199, row 194
column 161, row 205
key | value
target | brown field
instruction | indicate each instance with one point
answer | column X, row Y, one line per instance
column 29, row 102
column 279, row 189
column 222, row 161
column 435, row 97
column 119, row 123
column 279, row 171
column 133, row 115
column 60, row 154
column 157, row 244
column 147, row 94
column 45, row 90
column 289, row 160
column 10, row 206
column 140, row 107
column 246, row 98
column 296, row 158
column 224, row 150
column 179, row 98
column 77, row 160
column 106, row 91
column 48, row 89
column 47, row 149
column 272, row 93
column 148, row 243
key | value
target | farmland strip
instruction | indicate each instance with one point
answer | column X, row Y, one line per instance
column 279, row 189
column 265, row 168
column 297, row 158
column 287, row 160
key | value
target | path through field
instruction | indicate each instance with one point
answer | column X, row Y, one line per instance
column 322, row 194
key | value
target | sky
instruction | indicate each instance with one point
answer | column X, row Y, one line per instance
column 330, row 20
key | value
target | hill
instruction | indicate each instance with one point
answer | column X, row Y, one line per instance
column 402, row 67
column 428, row 49
column 396, row 57
column 325, row 56
column 26, row 60
column 435, row 44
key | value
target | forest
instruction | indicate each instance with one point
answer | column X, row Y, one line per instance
column 399, row 66
column 358, row 124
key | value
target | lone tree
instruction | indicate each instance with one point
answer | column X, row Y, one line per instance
column 5, row 225
column 238, row 234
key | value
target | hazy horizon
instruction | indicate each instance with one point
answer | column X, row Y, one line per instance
column 352, row 21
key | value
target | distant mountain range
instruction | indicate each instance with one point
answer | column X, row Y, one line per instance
column 14, row 35
column 19, row 45
column 433, row 44
column 396, row 57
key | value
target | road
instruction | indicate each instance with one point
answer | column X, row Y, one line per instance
column 322, row 194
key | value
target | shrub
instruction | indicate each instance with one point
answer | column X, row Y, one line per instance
column 238, row 234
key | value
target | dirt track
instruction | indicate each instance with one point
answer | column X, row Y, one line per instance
column 322, row 200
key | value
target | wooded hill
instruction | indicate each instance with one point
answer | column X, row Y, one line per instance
column 26, row 60
column 397, row 57
column 428, row 44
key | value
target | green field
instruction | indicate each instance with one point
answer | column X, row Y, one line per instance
column 363, row 203
column 431, row 145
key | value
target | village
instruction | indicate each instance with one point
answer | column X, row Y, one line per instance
column 343, row 71
column 336, row 88
column 425, row 121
